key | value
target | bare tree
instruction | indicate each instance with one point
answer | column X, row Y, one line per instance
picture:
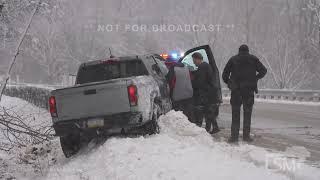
column 62, row 38
column 16, row 52
column 313, row 35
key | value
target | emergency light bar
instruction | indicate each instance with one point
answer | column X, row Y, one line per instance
column 172, row 56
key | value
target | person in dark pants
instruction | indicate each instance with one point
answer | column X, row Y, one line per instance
column 205, row 96
column 242, row 73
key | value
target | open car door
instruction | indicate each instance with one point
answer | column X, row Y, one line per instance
column 208, row 57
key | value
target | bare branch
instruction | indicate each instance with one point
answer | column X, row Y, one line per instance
column 19, row 131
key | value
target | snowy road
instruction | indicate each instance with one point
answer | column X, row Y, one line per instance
column 278, row 126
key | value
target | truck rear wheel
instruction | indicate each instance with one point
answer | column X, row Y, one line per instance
column 70, row 145
column 152, row 126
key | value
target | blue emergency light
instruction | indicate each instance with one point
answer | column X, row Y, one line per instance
column 173, row 56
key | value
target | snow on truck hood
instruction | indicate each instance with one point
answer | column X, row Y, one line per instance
column 181, row 151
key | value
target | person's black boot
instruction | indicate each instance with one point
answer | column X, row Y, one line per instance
column 235, row 126
column 208, row 127
column 248, row 139
column 247, row 123
column 233, row 140
column 215, row 126
column 215, row 131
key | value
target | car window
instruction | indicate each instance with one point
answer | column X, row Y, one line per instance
column 113, row 70
column 188, row 61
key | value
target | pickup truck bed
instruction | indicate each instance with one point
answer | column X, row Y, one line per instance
column 93, row 100
column 107, row 101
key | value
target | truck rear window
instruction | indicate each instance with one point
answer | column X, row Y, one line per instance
column 113, row 70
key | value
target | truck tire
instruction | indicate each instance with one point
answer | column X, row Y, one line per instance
column 70, row 145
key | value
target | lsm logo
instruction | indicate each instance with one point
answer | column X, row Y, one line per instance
column 282, row 163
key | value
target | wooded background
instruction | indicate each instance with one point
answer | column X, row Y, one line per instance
column 284, row 34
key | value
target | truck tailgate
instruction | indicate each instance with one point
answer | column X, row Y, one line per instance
column 93, row 100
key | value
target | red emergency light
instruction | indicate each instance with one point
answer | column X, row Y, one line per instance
column 164, row 56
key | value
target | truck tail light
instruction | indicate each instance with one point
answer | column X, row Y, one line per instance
column 53, row 106
column 133, row 95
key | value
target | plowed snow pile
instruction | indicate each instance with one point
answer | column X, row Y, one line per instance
column 181, row 151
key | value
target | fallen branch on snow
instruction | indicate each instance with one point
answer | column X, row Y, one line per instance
column 20, row 131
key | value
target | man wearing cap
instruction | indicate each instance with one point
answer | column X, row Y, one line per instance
column 242, row 73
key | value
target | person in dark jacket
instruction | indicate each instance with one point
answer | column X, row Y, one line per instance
column 242, row 73
column 205, row 94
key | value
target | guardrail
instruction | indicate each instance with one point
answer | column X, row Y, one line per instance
column 287, row 95
column 39, row 94
column 36, row 94
column 42, row 86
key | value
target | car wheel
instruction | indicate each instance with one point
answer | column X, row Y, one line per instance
column 70, row 145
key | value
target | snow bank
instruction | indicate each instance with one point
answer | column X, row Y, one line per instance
column 181, row 151
column 26, row 109
column 26, row 162
column 32, row 116
column 31, row 162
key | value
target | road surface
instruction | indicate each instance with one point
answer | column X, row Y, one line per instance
column 279, row 126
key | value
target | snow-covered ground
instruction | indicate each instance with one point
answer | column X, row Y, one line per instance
column 24, row 108
column 31, row 115
column 19, row 162
column 181, row 151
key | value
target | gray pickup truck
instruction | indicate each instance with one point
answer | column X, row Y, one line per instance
column 110, row 96
column 116, row 95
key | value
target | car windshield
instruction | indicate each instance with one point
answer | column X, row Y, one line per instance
column 111, row 70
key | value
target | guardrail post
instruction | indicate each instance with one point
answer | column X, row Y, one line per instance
column 316, row 97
